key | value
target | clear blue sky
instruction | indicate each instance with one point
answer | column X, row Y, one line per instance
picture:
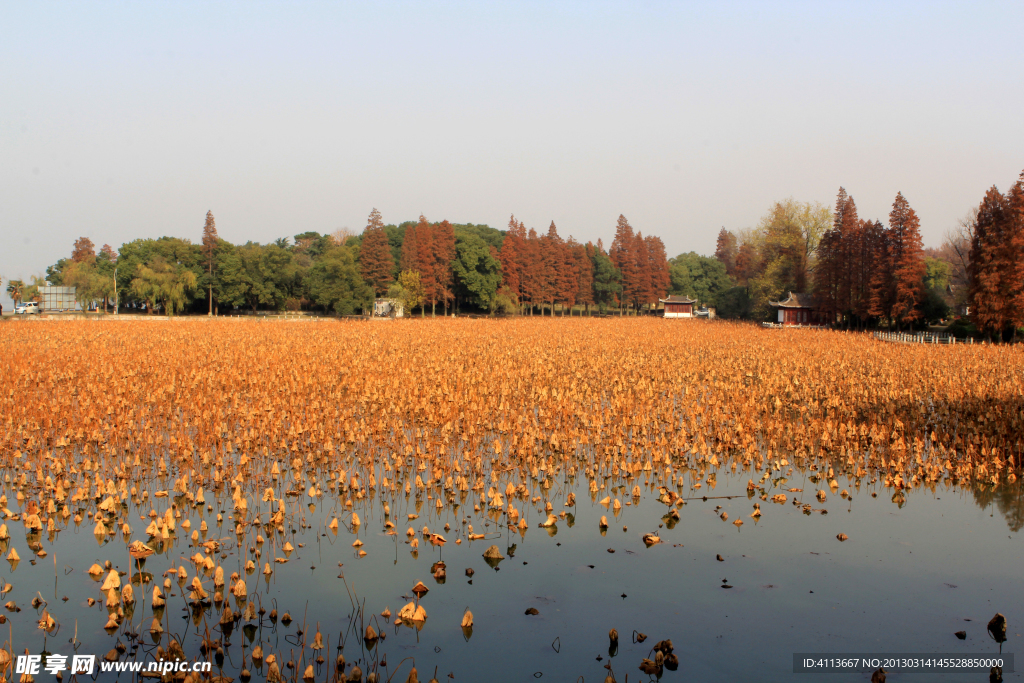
column 132, row 119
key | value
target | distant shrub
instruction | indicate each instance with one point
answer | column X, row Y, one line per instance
column 504, row 304
column 962, row 328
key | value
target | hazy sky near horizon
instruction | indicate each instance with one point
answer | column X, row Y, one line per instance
column 125, row 120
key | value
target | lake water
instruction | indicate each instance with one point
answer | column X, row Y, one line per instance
column 906, row 579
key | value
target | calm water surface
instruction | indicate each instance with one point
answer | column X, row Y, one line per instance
column 904, row 581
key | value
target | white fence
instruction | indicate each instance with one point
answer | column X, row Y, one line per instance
column 920, row 338
column 779, row 326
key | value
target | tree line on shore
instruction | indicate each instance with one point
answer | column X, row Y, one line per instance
column 430, row 267
column 862, row 272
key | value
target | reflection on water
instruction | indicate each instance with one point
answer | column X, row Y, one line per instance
column 736, row 600
column 1007, row 499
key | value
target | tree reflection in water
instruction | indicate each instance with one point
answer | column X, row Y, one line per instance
column 1008, row 499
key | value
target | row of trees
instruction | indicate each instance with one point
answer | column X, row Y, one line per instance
column 995, row 261
column 868, row 271
column 541, row 270
column 426, row 265
column 863, row 272
column 517, row 268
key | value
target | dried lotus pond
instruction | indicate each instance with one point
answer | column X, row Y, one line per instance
column 183, row 483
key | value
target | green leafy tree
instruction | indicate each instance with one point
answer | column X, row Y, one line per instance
column 477, row 270
column 91, row 285
column 316, row 245
column 936, row 278
column 335, row 283
column 396, row 238
column 699, row 277
column 309, row 247
column 936, row 273
column 492, row 236
column 223, row 254
column 934, row 306
column 257, row 275
column 607, row 279
column 178, row 252
column 106, row 268
column 161, row 282
column 787, row 240
column 294, row 281
column 55, row 273
column 90, row 273
column 504, row 302
column 408, row 290
column 733, row 303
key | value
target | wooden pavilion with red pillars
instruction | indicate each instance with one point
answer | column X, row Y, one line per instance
column 679, row 306
column 799, row 310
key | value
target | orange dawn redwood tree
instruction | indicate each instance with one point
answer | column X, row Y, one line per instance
column 1015, row 259
column 84, row 251
column 988, row 264
column 442, row 252
column 533, row 270
column 826, row 275
column 551, row 262
column 428, row 249
column 849, row 236
column 879, row 277
column 623, row 257
column 725, row 251
column 210, row 239
column 376, row 264
column 566, row 275
column 747, row 263
column 660, row 281
column 585, row 275
column 511, row 257
column 641, row 292
column 907, row 254
column 865, row 270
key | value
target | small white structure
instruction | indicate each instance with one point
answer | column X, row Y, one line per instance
column 678, row 306
column 387, row 308
column 57, row 299
column 706, row 312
